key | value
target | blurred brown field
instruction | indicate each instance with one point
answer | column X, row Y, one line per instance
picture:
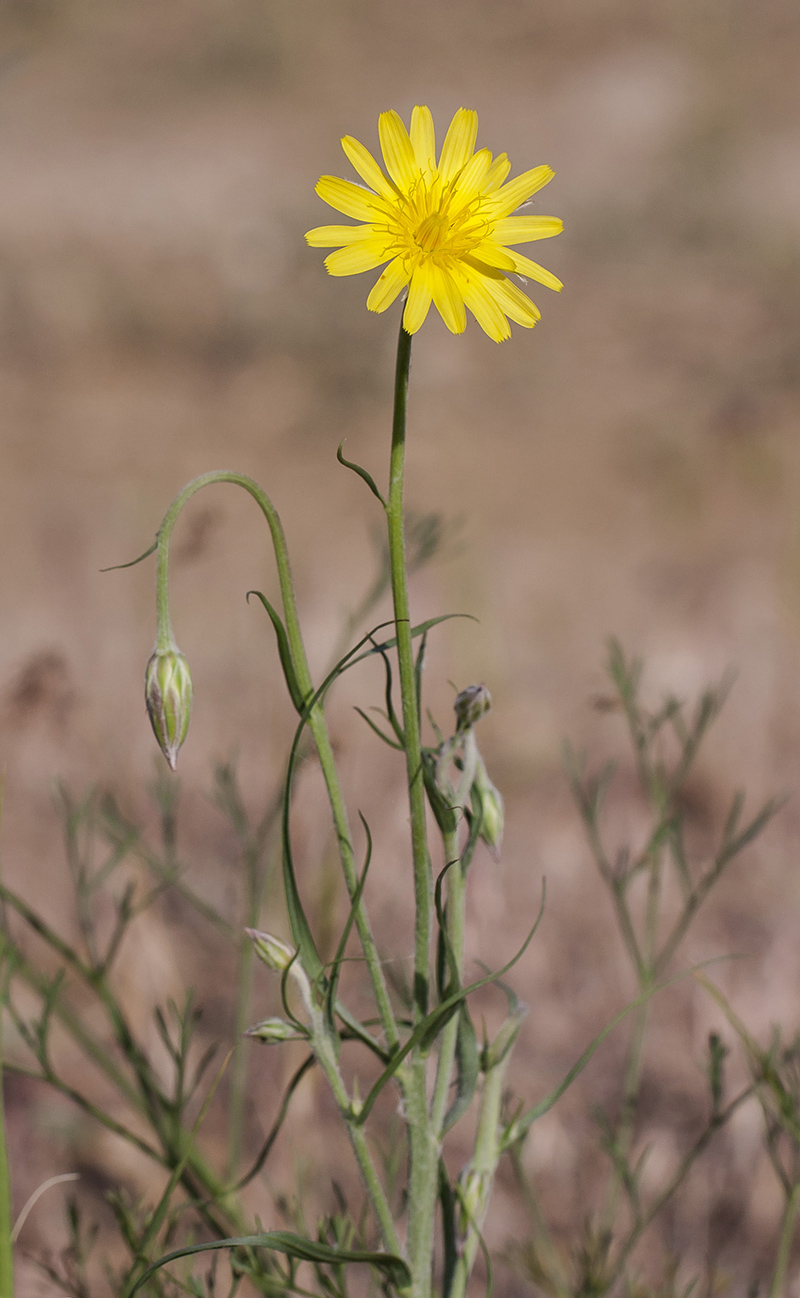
column 632, row 467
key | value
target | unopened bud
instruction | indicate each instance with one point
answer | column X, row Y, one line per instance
column 276, row 955
column 279, row 956
column 493, row 816
column 471, row 704
column 274, row 1030
column 168, row 695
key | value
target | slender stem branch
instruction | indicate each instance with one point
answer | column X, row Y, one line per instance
column 316, row 721
column 455, row 935
column 776, row 1288
column 6, row 1221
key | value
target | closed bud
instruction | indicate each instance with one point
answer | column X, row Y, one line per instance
column 471, row 704
column 279, row 956
column 493, row 816
column 276, row 955
column 274, row 1030
column 168, row 694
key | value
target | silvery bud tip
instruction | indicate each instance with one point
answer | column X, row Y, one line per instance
column 276, row 955
column 168, row 695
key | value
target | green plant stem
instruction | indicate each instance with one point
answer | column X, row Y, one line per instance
column 316, row 720
column 477, row 1185
column 777, row 1286
column 423, row 1143
column 455, row 935
column 6, row 1222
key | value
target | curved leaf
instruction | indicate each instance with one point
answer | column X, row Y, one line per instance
column 305, row 1250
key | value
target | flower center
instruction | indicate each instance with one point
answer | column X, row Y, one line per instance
column 431, row 233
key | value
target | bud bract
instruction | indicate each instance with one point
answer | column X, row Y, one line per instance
column 274, row 1030
column 493, row 817
column 168, row 694
column 471, row 704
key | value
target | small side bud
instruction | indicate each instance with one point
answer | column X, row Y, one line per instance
column 274, row 1030
column 493, row 817
column 275, row 954
column 168, row 695
column 279, row 957
column 471, row 704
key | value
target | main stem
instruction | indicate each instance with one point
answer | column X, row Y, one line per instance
column 423, row 1142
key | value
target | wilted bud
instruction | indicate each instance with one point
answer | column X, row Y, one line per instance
column 274, row 1030
column 471, row 704
column 275, row 954
column 493, row 817
column 168, row 695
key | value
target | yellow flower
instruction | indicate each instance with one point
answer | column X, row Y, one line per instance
column 444, row 228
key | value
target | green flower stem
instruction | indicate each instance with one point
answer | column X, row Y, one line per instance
column 316, row 720
column 477, row 1184
column 325, row 1052
column 423, row 1143
column 6, row 1221
column 455, row 934
column 778, row 1285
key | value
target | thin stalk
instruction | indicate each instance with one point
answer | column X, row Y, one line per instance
column 326, row 1057
column 479, row 1179
column 455, row 935
column 423, row 1142
column 6, row 1221
column 777, row 1287
column 316, row 720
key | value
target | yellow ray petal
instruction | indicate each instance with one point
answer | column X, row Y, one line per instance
column 385, row 289
column 524, row 266
column 354, row 260
column 348, row 198
column 398, row 154
column 420, row 296
column 471, row 180
column 514, row 302
column 497, row 173
column 483, row 305
column 526, row 229
column 508, row 199
column 448, row 300
column 367, row 168
column 459, row 143
column 423, row 138
column 338, row 236
column 492, row 255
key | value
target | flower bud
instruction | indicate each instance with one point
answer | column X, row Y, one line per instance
column 493, row 817
column 274, row 1030
column 471, row 704
column 275, row 954
column 168, row 695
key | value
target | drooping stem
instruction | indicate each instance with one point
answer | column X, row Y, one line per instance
column 316, row 719
column 423, row 1142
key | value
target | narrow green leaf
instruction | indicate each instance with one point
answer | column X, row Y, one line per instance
column 336, row 963
column 362, row 473
column 378, row 730
column 284, row 651
column 293, row 1246
column 115, row 567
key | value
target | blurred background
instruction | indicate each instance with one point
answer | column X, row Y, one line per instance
column 632, row 467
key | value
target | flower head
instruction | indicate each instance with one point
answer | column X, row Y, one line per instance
column 445, row 228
